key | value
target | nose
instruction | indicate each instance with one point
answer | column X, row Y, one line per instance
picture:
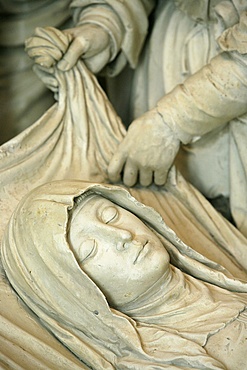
column 124, row 239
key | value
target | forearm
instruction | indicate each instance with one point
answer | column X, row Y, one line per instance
column 214, row 95
column 208, row 99
column 103, row 16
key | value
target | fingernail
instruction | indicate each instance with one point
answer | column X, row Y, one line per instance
column 63, row 65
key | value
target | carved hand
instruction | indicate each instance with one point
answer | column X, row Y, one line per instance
column 89, row 41
column 147, row 152
column 46, row 47
column 49, row 47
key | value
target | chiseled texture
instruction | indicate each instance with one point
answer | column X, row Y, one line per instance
column 46, row 275
column 193, row 64
column 75, row 140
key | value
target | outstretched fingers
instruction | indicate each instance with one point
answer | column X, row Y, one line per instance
column 145, row 176
column 130, row 173
column 160, row 176
column 116, row 166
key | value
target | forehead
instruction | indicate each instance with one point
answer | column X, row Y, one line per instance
column 91, row 207
column 95, row 203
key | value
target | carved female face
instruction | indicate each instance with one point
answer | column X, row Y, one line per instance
column 117, row 250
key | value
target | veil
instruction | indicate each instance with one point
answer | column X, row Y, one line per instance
column 74, row 140
column 44, row 272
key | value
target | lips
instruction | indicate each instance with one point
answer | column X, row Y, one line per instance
column 140, row 252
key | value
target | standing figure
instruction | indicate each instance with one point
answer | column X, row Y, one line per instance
column 190, row 79
column 50, row 248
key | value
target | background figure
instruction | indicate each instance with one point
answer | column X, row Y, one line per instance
column 183, row 37
column 202, row 123
column 54, row 148
column 23, row 98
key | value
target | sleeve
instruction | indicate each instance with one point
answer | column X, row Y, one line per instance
column 214, row 95
column 126, row 22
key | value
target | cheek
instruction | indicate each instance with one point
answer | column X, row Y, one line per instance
column 112, row 281
column 106, row 271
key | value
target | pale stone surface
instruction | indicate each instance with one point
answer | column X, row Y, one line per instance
column 209, row 105
column 201, row 124
column 170, row 316
column 201, row 45
column 75, row 139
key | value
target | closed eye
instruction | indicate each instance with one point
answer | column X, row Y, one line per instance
column 87, row 249
column 109, row 214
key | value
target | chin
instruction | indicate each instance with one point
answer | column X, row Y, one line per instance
column 155, row 270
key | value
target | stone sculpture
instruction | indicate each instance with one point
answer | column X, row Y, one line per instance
column 202, row 123
column 64, row 234
column 76, row 139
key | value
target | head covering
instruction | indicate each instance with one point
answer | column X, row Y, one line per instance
column 44, row 272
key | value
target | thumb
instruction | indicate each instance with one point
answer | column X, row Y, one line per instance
column 73, row 53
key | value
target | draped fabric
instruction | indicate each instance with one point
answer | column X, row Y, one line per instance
column 183, row 38
column 44, row 272
column 75, row 140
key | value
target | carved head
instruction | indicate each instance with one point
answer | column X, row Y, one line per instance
column 117, row 250
column 62, row 233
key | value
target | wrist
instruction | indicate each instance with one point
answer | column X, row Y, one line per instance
column 108, row 20
column 170, row 128
column 170, row 114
